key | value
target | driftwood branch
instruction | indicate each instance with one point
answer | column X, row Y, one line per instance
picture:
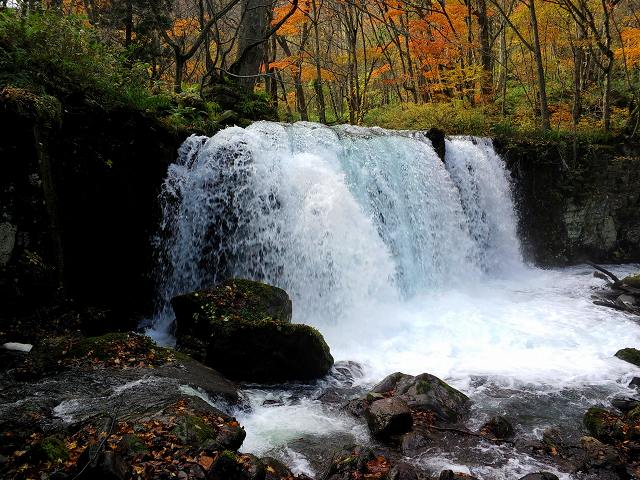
column 615, row 279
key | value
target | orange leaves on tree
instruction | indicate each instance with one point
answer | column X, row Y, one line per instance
column 294, row 23
column 631, row 45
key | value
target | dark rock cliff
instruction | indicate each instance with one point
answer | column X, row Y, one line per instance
column 78, row 202
column 576, row 203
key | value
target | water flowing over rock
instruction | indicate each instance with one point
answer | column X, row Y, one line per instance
column 335, row 216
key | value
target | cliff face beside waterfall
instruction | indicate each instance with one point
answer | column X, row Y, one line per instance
column 576, row 203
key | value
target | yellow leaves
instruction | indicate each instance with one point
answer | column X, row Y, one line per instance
column 183, row 27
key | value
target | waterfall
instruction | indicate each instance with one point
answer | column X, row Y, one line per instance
column 335, row 216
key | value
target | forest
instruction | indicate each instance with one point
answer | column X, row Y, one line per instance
column 559, row 67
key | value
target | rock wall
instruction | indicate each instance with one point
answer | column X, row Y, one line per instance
column 576, row 202
column 78, row 203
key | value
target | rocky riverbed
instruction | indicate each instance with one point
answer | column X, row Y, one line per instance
column 118, row 406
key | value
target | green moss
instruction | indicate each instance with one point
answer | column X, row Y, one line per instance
column 422, row 387
column 100, row 347
column 633, row 415
column 51, row 449
column 192, row 430
column 603, row 425
column 632, row 280
column 134, row 445
column 229, row 455
column 630, row 355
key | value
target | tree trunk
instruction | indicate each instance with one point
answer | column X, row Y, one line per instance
column 319, row 93
column 537, row 52
column 606, row 94
column 485, row 50
column 253, row 28
column 128, row 25
column 177, row 84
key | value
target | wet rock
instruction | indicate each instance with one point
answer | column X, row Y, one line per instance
column 7, row 242
column 451, row 475
column 632, row 280
column 604, row 425
column 635, row 382
column 625, row 404
column 597, row 454
column 98, row 464
column 552, row 439
column 630, row 355
column 426, row 392
column 412, row 443
column 388, row 416
column 437, row 138
column 241, row 328
column 540, row 476
column 498, row 427
column 357, row 462
column 192, row 430
column 230, row 466
column 403, row 471
column 275, row 469
column 626, row 301
column 235, row 298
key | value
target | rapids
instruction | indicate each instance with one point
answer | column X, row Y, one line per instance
column 404, row 263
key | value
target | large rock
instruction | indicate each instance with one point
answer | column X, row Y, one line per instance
column 632, row 280
column 630, row 355
column 604, row 425
column 388, row 416
column 540, row 476
column 242, row 329
column 426, row 392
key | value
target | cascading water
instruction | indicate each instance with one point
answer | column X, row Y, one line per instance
column 403, row 261
column 334, row 216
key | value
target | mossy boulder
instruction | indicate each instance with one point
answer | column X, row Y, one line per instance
column 426, row 392
column 113, row 350
column 194, row 430
column 242, row 329
column 604, row 425
column 632, row 280
column 630, row 355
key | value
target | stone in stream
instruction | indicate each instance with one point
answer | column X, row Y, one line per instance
column 388, row 416
column 630, row 355
column 540, row 476
column 597, row 454
column 604, row 425
column 426, row 392
column 625, row 404
column 451, row 475
column 498, row 427
column 412, row 443
column 632, row 280
column 242, row 329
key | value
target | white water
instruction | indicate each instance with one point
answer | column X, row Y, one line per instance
column 403, row 262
